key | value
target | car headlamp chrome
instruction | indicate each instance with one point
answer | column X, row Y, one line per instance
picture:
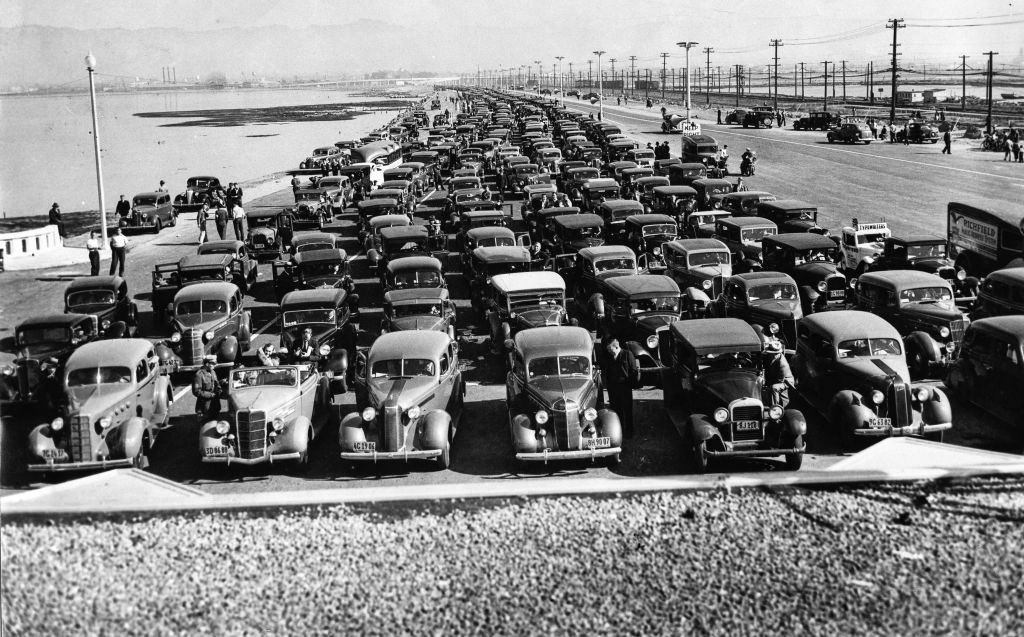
column 414, row 412
column 9, row 370
column 325, row 349
column 541, row 417
column 773, row 328
column 877, row 397
column 542, row 432
column 706, row 284
column 105, row 324
column 222, row 427
column 278, row 424
column 656, row 251
column 369, row 414
column 104, row 422
column 922, row 394
column 721, row 414
column 176, row 337
column 822, row 286
column 961, row 275
column 775, row 412
column 652, row 341
column 590, row 414
column 208, row 336
column 950, row 346
column 56, row 424
column 944, row 332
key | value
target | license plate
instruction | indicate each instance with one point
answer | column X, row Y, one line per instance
column 878, row 423
column 215, row 451
column 54, row 454
column 598, row 443
column 748, row 425
column 364, row 446
column 836, row 294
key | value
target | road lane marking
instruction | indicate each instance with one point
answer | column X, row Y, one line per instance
column 265, row 327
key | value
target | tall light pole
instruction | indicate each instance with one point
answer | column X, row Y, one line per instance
column 90, row 65
column 539, row 71
column 600, row 87
column 687, row 46
column 561, row 84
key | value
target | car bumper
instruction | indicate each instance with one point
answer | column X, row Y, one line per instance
column 377, row 456
column 270, row 457
column 919, row 429
column 582, row 454
column 96, row 465
column 759, row 451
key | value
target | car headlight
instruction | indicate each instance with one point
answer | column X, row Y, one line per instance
column 176, row 337
column 105, row 324
column 877, row 397
column 656, row 251
column 369, row 414
column 9, row 370
column 944, row 332
column 57, row 424
column 922, row 394
column 590, row 414
column 541, row 417
column 773, row 328
column 278, row 424
column 950, row 346
column 652, row 341
column 706, row 284
column 822, row 286
column 542, row 432
column 775, row 412
column 414, row 412
column 222, row 427
column 325, row 349
column 105, row 422
column 721, row 414
column 961, row 275
column 208, row 336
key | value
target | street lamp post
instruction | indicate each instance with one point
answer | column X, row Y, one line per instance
column 90, row 65
column 687, row 45
column 561, row 84
column 539, row 71
column 600, row 87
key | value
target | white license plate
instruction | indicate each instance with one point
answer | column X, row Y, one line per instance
column 836, row 294
column 598, row 443
column 748, row 425
column 364, row 446
column 215, row 451
column 878, row 423
column 54, row 454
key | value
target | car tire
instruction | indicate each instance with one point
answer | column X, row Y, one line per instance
column 795, row 460
column 444, row 461
column 699, row 457
column 158, row 226
column 613, row 461
column 917, row 363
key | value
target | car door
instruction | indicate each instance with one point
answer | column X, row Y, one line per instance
column 309, row 386
column 231, row 326
column 851, row 256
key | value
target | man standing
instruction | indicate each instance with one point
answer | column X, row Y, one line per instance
column 719, row 116
column 207, row 391
column 162, row 188
column 723, row 159
column 56, row 220
column 123, row 208
column 220, row 218
column 232, row 199
column 118, row 248
column 621, row 374
column 238, row 219
column 201, row 218
column 777, row 374
column 296, row 182
column 93, row 245
column 947, row 139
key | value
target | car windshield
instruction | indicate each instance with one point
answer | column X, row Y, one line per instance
column 91, row 297
column 937, row 250
column 495, row 242
column 209, row 306
column 583, row 233
column 219, row 250
column 814, row 256
column 486, row 222
column 507, row 267
column 99, row 376
column 417, row 279
column 522, row 169
column 559, row 366
column 624, row 263
column 145, row 201
column 312, row 245
column 654, row 229
column 261, row 222
column 267, row 377
column 552, row 298
column 656, row 304
column 326, row 268
column 299, row 317
column 776, row 291
column 872, row 237
column 402, row 368
column 869, row 347
column 213, row 274
column 805, row 215
column 40, row 335
column 754, row 235
column 702, row 219
column 696, row 259
column 416, row 309
column 308, row 196
column 729, row 361
column 926, row 295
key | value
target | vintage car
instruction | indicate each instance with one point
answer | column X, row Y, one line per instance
column 759, row 116
column 463, row 183
column 811, row 260
column 925, row 253
column 244, row 266
column 1001, row 293
column 107, row 298
column 596, row 191
column 860, row 244
column 686, row 173
column 571, row 233
column 312, row 208
column 921, row 306
column 643, row 188
column 576, row 177
column 699, row 149
column 534, row 196
column 700, row 224
column 524, row 300
column 478, row 217
column 674, row 201
column 151, row 210
column 593, row 266
column 370, row 209
column 989, row 371
column 735, row 116
column 638, row 309
column 918, row 133
column 169, row 278
column 338, row 189
column 715, row 393
column 817, row 120
column 699, row 267
column 850, row 366
column 487, row 237
column 332, row 317
column 710, row 192
column 319, row 156
column 628, row 178
column 643, row 157
column 41, row 345
column 273, row 415
column 409, row 400
column 743, row 236
column 197, row 192
column 645, row 234
column 418, row 309
column 745, row 203
column 412, row 272
column 206, row 318
column 485, row 262
column 370, row 238
column 768, row 299
column 555, row 401
column 270, row 233
column 849, row 133
column 614, row 213
column 313, row 269
column 118, row 401
column 663, row 166
column 791, row 215
column 307, row 241
column 402, row 241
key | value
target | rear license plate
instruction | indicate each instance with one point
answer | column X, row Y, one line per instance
column 364, row 446
column 215, row 451
column 54, row 454
column 598, row 443
column 836, row 294
column 747, row 425
column 878, row 423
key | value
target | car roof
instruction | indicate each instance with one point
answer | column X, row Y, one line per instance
column 502, row 254
column 211, row 246
column 416, row 294
column 390, row 220
column 712, row 181
column 378, row 202
column 410, row 344
column 844, row 325
column 204, row 260
column 749, row 194
column 151, row 193
column 717, row 335
column 649, row 218
column 748, row 278
column 1008, row 275
column 554, row 341
column 93, row 282
column 916, row 238
column 674, row 190
column 584, row 220
column 606, row 251
column 101, row 354
column 701, row 139
column 64, row 320
column 692, row 245
column 484, row 232
column 903, row 278
column 403, row 232
column 643, row 285
column 527, row 281
column 264, row 212
column 316, row 256
column 744, row 222
column 619, row 204
column 802, row 240
column 482, row 213
column 320, row 296
column 601, row 182
column 416, row 262
column 787, row 204
column 206, row 290
column 1010, row 327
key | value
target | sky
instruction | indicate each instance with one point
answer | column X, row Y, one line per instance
column 738, row 31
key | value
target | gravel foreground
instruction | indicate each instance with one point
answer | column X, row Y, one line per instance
column 892, row 560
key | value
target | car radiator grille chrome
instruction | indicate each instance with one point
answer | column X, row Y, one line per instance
column 28, row 377
column 747, row 410
column 391, row 430
column 573, row 433
column 898, row 403
column 251, row 429
column 956, row 331
column 717, row 285
column 80, row 438
column 836, row 283
column 193, row 339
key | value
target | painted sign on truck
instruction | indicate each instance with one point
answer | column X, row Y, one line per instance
column 983, row 239
column 969, row 233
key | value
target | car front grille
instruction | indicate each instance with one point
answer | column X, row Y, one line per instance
column 192, row 352
column 836, row 283
column 897, row 403
column 29, row 374
column 956, row 331
column 748, row 409
column 80, row 438
column 251, row 429
column 391, row 428
column 717, row 285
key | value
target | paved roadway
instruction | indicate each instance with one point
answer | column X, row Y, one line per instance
column 908, row 186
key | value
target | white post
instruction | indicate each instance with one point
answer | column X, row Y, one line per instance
column 90, row 64
column 600, row 87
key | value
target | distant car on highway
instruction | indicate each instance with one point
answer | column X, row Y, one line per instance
column 152, row 210
column 849, row 133
column 198, row 191
column 817, row 120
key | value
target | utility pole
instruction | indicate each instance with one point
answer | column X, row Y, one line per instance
column 824, row 106
column 988, row 92
column 844, row 81
column 590, row 74
column 708, row 51
column 776, row 43
column 632, row 73
column 895, row 24
column 600, row 90
column 871, row 82
column 561, row 84
column 613, row 61
column 571, row 85
column 539, row 71
column 739, row 82
column 963, row 83
column 664, row 75
column 647, row 88
column 802, row 81
column 687, row 46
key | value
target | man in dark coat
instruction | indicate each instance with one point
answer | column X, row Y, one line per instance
column 124, row 208
column 621, row 374
column 207, row 390
column 56, row 220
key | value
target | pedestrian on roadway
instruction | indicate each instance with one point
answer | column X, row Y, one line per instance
column 93, row 245
column 1018, row 154
column 207, row 390
column 239, row 221
column 220, row 218
column 201, row 217
column 232, row 200
column 892, row 133
column 719, row 116
column 906, row 134
column 946, row 141
column 162, row 187
column 621, row 375
column 118, row 248
column 123, row 208
column 296, row 182
column 1007, row 153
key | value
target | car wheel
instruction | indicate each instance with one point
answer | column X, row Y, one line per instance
column 173, row 221
column 141, row 461
column 700, row 457
column 795, row 460
column 158, row 226
column 917, row 362
column 445, row 459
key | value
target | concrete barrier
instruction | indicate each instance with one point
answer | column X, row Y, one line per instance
column 26, row 243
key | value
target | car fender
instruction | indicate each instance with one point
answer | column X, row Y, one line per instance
column 208, row 437
column 350, row 431
column 117, row 329
column 608, row 424
column 637, row 350
column 700, row 429
column 294, row 438
column 524, row 438
column 924, row 343
column 126, row 440
column 793, row 423
column 937, row 410
column 166, row 354
column 228, row 349
column 696, row 295
column 848, row 410
column 40, row 440
column 337, row 361
column 373, row 257
column 434, row 430
column 597, row 306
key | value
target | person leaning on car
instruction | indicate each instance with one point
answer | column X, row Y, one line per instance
column 777, row 373
column 206, row 388
column 621, row 374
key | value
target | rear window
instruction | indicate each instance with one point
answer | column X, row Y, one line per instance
column 99, row 376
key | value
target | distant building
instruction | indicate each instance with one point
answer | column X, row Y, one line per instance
column 913, row 97
column 932, row 96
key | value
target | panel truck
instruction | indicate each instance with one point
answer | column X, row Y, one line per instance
column 983, row 239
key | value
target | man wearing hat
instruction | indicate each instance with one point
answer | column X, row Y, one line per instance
column 207, row 390
column 777, row 373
